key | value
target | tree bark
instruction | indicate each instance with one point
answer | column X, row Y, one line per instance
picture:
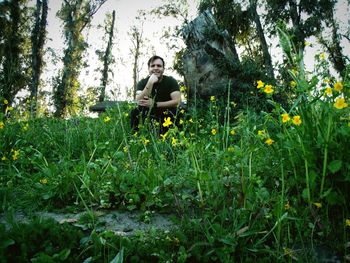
column 38, row 40
column 106, row 60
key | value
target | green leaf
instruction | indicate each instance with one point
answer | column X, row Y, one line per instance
column 119, row 258
column 334, row 166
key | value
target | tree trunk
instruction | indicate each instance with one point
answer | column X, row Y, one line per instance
column 261, row 36
column 106, row 60
column 38, row 40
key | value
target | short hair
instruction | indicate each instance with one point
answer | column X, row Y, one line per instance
column 154, row 58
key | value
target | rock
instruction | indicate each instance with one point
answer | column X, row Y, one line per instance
column 201, row 70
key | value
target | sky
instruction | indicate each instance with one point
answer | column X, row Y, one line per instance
column 126, row 12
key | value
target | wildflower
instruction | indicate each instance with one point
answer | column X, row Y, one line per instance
column 2, row 125
column 163, row 136
column 190, row 120
column 261, row 132
column 294, row 71
column 6, row 101
column 146, row 141
column 347, row 222
column 213, row 131
column 287, row 205
column 318, row 205
column 326, row 81
column 338, row 86
column 212, row 98
column 232, row 132
column 307, row 43
column 25, row 127
column 230, row 149
column 234, row 104
column 268, row 89
column 328, row 91
column 285, row 117
column 106, row 119
column 173, row 141
column 322, row 56
column 182, row 111
column 182, row 88
column 269, row 141
column 43, row 181
column 260, row 84
column 181, row 121
column 3, row 158
column 126, row 114
column 297, row 120
column 8, row 108
column 293, row 84
column 15, row 154
column 167, row 122
column 125, row 149
column 340, row 103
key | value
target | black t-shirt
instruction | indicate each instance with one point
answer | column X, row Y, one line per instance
column 161, row 91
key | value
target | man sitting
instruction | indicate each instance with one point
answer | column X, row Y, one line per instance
column 157, row 96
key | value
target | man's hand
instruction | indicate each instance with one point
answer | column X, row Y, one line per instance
column 146, row 102
column 153, row 79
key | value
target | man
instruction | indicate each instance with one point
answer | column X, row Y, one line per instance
column 157, row 95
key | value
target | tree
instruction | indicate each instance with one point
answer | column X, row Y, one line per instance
column 38, row 40
column 14, row 49
column 107, row 57
column 76, row 15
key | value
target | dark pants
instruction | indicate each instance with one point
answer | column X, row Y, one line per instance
column 139, row 115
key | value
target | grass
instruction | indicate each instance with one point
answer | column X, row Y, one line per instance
column 245, row 186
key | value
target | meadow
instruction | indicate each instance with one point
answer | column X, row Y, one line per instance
column 242, row 185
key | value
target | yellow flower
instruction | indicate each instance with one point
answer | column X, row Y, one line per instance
column 212, row 98
column 25, row 127
column 163, row 136
column 232, row 132
column 167, row 122
column 297, row 120
column 293, row 84
column 287, row 205
column 326, row 81
column 234, row 104
column 338, row 86
column 340, row 103
column 182, row 111
column 9, row 108
column 190, row 120
column 261, row 132
column 269, row 141
column 328, row 91
column 294, row 71
column 106, row 119
column 322, row 56
column 15, row 154
column 182, row 88
column 6, row 101
column 125, row 149
column 145, row 141
column 173, row 141
column 231, row 149
column 181, row 121
column 307, row 43
column 268, row 89
column 285, row 117
column 2, row 125
column 43, row 181
column 318, row 205
column 213, row 131
column 347, row 222
column 3, row 158
column 260, row 84
column 126, row 114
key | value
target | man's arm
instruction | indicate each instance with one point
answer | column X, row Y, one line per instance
column 147, row 90
column 174, row 102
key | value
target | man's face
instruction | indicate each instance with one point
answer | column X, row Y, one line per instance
column 156, row 67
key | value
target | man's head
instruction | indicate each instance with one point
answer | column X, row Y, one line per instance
column 156, row 66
